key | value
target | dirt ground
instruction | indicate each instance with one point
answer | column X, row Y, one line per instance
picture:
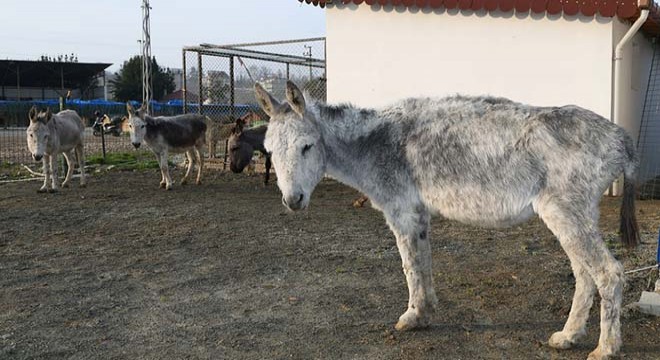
column 124, row 270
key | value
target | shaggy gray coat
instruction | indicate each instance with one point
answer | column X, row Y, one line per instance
column 480, row 160
column 51, row 134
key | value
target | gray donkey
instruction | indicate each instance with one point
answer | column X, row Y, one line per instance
column 51, row 134
column 479, row 160
column 164, row 134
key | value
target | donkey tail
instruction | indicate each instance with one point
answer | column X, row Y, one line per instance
column 629, row 229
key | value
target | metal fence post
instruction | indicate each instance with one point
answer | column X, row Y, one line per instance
column 199, row 79
column 184, row 82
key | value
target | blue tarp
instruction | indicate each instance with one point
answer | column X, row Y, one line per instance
column 14, row 113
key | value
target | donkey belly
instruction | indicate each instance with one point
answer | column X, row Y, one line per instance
column 499, row 209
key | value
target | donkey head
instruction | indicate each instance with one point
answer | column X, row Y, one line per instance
column 38, row 132
column 137, row 125
column 240, row 151
column 294, row 139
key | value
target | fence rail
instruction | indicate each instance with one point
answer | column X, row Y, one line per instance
column 226, row 74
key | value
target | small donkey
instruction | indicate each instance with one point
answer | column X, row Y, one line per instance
column 480, row 160
column 163, row 134
column 242, row 144
column 51, row 134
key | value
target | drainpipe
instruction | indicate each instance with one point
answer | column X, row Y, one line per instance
column 618, row 56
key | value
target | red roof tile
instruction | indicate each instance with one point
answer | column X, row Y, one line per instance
column 625, row 9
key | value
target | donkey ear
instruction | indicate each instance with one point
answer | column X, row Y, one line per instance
column 49, row 114
column 143, row 109
column 124, row 124
column 295, row 98
column 130, row 109
column 267, row 103
column 33, row 114
column 238, row 128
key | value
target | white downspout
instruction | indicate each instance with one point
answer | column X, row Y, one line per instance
column 618, row 55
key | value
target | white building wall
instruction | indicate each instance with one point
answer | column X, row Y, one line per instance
column 376, row 57
column 635, row 70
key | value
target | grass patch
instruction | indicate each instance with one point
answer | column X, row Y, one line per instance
column 125, row 160
column 11, row 171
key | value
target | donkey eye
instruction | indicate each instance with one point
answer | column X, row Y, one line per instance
column 306, row 148
column 142, row 127
column 31, row 135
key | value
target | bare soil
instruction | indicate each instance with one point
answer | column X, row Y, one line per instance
column 124, row 270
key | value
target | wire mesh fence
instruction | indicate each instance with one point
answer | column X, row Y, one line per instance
column 14, row 121
column 219, row 79
column 225, row 74
column 648, row 143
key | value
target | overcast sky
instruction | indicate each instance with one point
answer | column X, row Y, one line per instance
column 109, row 30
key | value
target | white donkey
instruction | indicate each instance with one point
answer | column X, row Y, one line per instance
column 182, row 133
column 51, row 134
column 480, row 160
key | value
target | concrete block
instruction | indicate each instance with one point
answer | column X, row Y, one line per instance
column 649, row 303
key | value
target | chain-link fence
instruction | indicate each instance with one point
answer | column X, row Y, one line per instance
column 14, row 121
column 648, row 143
column 219, row 79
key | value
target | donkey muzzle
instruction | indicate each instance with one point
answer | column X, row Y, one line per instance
column 37, row 157
column 294, row 202
column 137, row 145
column 235, row 169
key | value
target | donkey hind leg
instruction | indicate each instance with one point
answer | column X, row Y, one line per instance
column 200, row 163
column 68, row 156
column 575, row 327
column 80, row 154
column 579, row 236
column 411, row 228
column 189, row 159
column 45, row 161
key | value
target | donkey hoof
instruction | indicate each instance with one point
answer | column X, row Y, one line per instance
column 168, row 187
column 65, row 185
column 42, row 190
column 559, row 340
column 184, row 182
column 198, row 182
column 411, row 320
column 162, row 185
column 598, row 355
column 53, row 190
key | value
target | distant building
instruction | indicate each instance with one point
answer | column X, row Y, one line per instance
column 43, row 80
column 178, row 95
column 177, row 75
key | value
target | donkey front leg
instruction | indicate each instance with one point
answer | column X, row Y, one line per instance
column 45, row 161
column 53, row 170
column 70, row 166
column 268, row 165
column 166, row 181
column 411, row 228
